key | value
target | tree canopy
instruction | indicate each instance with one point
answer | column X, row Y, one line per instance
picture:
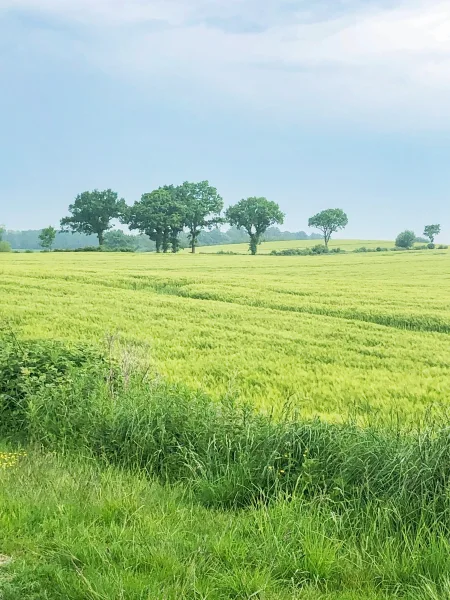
column 328, row 222
column 92, row 213
column 431, row 231
column 47, row 237
column 405, row 239
column 160, row 215
column 203, row 205
column 255, row 215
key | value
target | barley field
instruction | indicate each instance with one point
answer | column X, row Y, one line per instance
column 367, row 334
column 267, row 247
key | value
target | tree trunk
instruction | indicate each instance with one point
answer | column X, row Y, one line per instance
column 165, row 243
column 254, row 244
column 101, row 238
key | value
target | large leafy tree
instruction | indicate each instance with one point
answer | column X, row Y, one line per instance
column 92, row 213
column 405, row 239
column 160, row 215
column 202, row 208
column 47, row 237
column 175, row 218
column 255, row 215
column 328, row 222
column 431, row 231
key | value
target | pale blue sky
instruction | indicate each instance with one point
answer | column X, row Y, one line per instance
column 314, row 104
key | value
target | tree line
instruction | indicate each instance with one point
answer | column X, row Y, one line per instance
column 165, row 213
column 170, row 213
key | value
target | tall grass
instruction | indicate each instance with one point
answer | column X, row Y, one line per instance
column 257, row 507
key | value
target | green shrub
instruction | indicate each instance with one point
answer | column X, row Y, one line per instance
column 320, row 249
column 5, row 246
column 405, row 239
column 442, row 247
column 431, row 246
column 29, row 367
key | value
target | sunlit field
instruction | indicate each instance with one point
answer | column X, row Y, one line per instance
column 360, row 333
column 267, row 247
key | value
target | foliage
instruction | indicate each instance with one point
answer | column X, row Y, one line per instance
column 5, row 246
column 329, row 221
column 27, row 367
column 92, row 213
column 118, row 240
column 431, row 231
column 202, row 207
column 160, row 215
column 255, row 215
column 47, row 237
column 405, row 239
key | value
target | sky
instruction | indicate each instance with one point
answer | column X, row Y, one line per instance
column 314, row 104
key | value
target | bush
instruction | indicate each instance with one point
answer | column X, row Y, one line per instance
column 292, row 252
column 28, row 367
column 5, row 246
column 431, row 246
column 405, row 239
column 319, row 249
column 442, row 247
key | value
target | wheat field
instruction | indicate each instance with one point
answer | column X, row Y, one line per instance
column 365, row 333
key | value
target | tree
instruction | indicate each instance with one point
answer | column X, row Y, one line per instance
column 117, row 239
column 175, row 217
column 328, row 222
column 92, row 213
column 255, row 215
column 160, row 215
column 202, row 207
column 405, row 239
column 431, row 231
column 4, row 246
column 47, row 237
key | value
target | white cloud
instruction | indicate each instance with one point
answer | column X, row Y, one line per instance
column 379, row 63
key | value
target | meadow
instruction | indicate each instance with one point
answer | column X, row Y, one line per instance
column 258, row 427
column 366, row 333
column 267, row 247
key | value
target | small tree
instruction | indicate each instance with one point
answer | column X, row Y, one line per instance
column 255, row 215
column 431, row 231
column 202, row 207
column 47, row 237
column 328, row 222
column 4, row 246
column 92, row 213
column 405, row 239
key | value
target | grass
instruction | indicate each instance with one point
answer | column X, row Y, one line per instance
column 359, row 332
column 134, row 489
column 187, row 464
column 267, row 247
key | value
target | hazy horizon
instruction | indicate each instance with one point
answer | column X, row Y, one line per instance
column 311, row 104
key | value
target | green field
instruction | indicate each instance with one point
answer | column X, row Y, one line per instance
column 169, row 471
column 267, row 247
column 364, row 332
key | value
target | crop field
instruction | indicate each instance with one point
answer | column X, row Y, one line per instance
column 144, row 452
column 267, row 247
column 367, row 334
